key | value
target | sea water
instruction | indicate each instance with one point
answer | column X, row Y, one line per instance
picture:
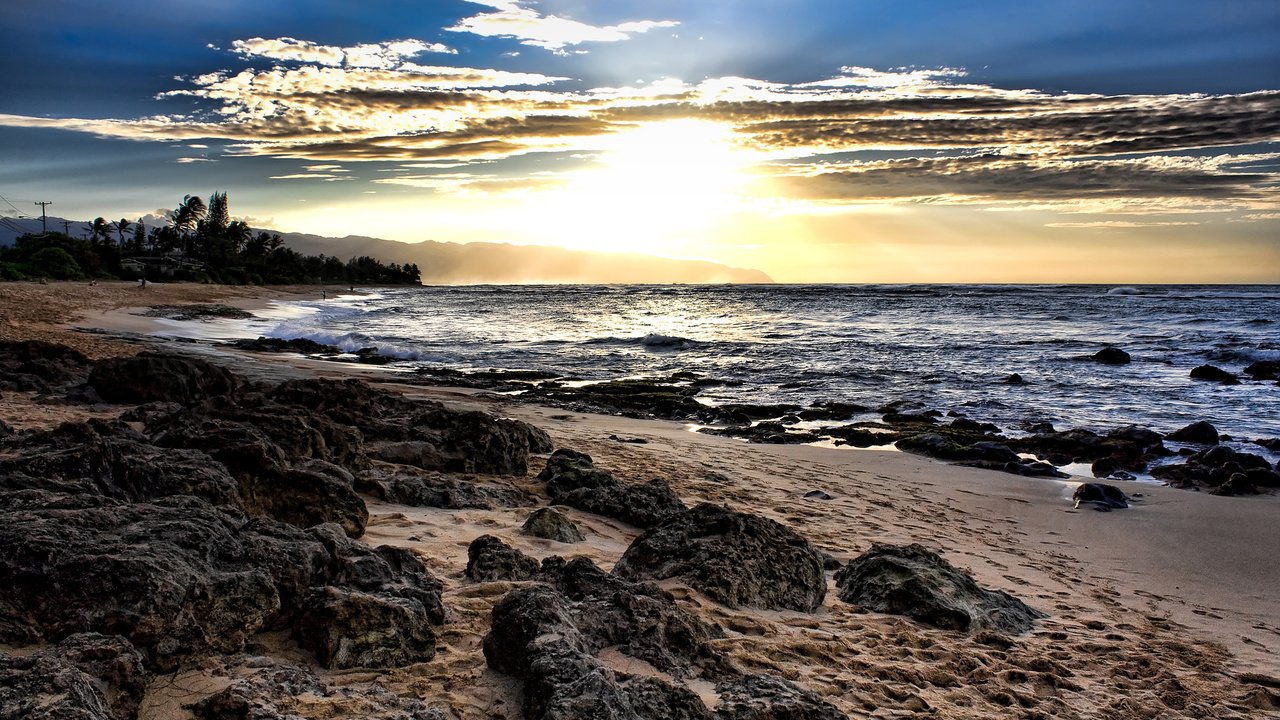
column 947, row 347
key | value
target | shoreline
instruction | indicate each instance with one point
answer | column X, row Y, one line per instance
column 1178, row 564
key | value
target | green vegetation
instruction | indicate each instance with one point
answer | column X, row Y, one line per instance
column 201, row 243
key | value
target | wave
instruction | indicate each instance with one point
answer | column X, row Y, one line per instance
column 354, row 341
column 652, row 341
column 1125, row 291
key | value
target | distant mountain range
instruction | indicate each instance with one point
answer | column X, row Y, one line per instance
column 444, row 263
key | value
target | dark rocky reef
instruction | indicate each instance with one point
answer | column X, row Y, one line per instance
column 1222, row 471
column 572, row 479
column 37, row 366
column 549, row 633
column 734, row 558
column 86, row 677
column 913, row 581
column 230, row 513
column 274, row 692
column 410, row 486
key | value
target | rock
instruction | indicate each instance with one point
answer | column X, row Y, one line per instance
column 734, row 558
column 939, row 446
column 763, row 697
column 1264, row 370
column 87, row 676
column 1112, row 356
column 384, row 570
column 6, row 430
column 462, row 440
column 34, row 365
column 1272, row 444
column 305, row 497
column 1236, row 484
column 818, row 495
column 1013, row 379
column 548, row 635
column 435, row 489
column 147, row 412
column 913, row 581
column 1215, row 466
column 1129, row 448
column 277, row 345
column 573, row 480
column 1103, row 496
column 169, row 576
column 287, row 692
column 112, row 460
column 834, row 411
column 348, row 628
column 1216, row 374
column 490, row 559
column 551, row 524
column 642, row 505
column 1201, row 433
column 769, row 433
column 152, row 377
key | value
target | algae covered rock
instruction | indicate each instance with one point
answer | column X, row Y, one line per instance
column 735, row 558
column 913, row 581
column 551, row 524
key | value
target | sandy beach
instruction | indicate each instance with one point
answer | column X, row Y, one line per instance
column 1166, row 609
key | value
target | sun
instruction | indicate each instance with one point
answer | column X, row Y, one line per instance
column 655, row 189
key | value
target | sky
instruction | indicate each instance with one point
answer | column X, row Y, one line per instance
column 1118, row 141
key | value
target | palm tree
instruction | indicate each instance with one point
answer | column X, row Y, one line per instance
column 189, row 212
column 122, row 226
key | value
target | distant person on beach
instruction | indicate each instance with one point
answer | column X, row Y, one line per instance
column 142, row 283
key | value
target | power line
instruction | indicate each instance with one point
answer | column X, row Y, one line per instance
column 15, row 209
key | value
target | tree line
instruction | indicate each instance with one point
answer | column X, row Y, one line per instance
column 199, row 243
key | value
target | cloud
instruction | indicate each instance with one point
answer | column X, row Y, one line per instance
column 511, row 19
column 187, row 160
column 1118, row 224
column 906, row 135
column 370, row 55
column 1080, row 184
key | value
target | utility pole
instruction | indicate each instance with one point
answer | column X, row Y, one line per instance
column 66, row 227
column 44, row 222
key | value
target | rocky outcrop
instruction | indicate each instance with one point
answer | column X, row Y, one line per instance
column 490, row 559
column 87, row 676
column 440, row 490
column 548, row 634
column 1214, row 374
column 348, row 628
column 1222, row 471
column 1128, row 448
column 1264, row 370
column 1112, row 356
column 551, row 524
column 112, row 460
column 151, row 377
column 764, row 697
column 1200, row 433
column 37, row 366
column 913, row 581
column 168, row 575
column 573, row 480
column 734, row 558
column 275, row 692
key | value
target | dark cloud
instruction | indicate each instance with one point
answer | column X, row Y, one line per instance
column 991, row 178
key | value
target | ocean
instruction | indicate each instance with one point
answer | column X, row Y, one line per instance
column 946, row 347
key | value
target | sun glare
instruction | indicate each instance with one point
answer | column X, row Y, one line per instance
column 655, row 189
